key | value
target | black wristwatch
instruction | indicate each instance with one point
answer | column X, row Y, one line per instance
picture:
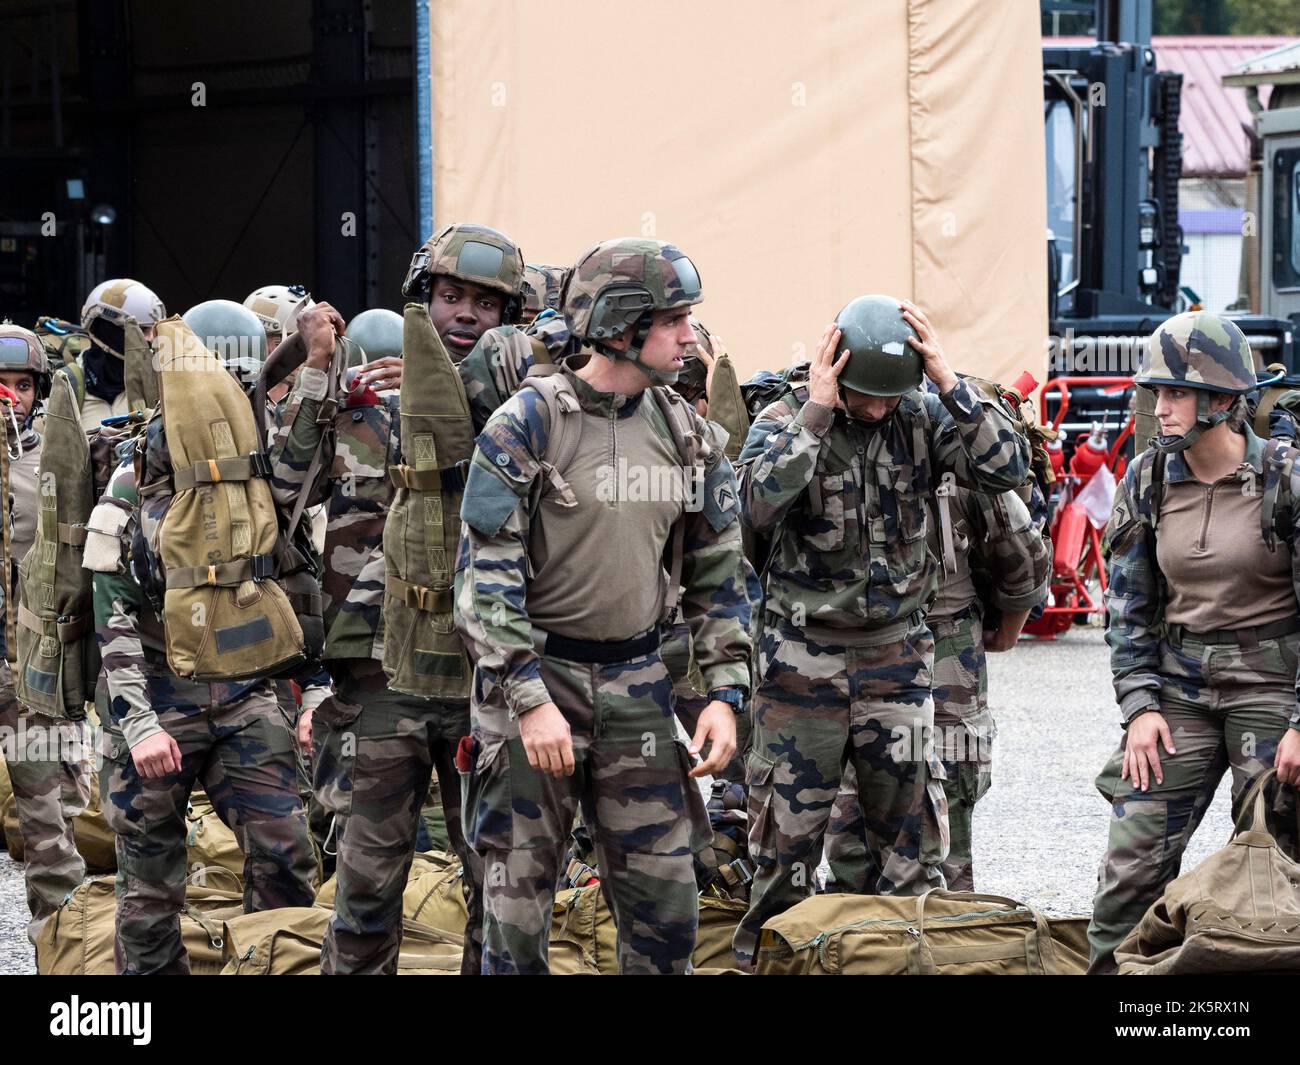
column 733, row 697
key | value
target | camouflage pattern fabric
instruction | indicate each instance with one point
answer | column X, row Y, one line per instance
column 847, row 502
column 1199, row 350
column 502, row 358
column 1227, row 707
column 49, row 763
column 383, row 747
column 542, row 286
column 646, row 816
column 456, row 252
column 964, row 731
column 819, row 706
column 357, row 492
column 242, row 753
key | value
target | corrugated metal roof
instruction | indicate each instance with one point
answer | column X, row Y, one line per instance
column 1214, row 142
column 1280, row 61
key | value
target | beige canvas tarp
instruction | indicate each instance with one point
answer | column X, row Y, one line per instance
column 800, row 154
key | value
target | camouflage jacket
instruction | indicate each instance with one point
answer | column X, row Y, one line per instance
column 1134, row 596
column 502, row 358
column 22, row 515
column 494, row 565
column 847, row 504
column 1002, row 559
column 130, row 632
column 355, row 487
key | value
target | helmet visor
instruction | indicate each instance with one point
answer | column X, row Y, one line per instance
column 688, row 278
column 477, row 259
column 14, row 353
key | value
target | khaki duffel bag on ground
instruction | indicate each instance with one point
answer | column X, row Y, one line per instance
column 208, row 841
column 940, row 932
column 287, row 942
column 78, row 939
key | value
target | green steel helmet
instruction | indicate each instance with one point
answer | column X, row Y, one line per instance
column 233, row 333
column 377, row 332
column 542, row 285
column 881, row 361
column 474, row 253
column 21, row 349
column 1202, row 351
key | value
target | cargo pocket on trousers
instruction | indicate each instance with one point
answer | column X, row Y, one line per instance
column 118, row 783
column 693, row 805
column 762, row 824
column 488, row 801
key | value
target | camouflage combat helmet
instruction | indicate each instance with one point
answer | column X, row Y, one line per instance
column 21, row 349
column 472, row 253
column 542, row 285
column 377, row 332
column 233, row 333
column 108, row 306
column 617, row 284
column 881, row 361
column 1202, row 351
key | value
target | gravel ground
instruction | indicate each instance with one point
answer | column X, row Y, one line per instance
column 1039, row 832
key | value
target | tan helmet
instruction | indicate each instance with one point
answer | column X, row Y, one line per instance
column 472, row 253
column 277, row 307
column 108, row 306
column 21, row 349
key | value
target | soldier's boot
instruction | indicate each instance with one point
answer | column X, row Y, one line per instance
column 252, row 775
column 50, row 774
column 148, row 819
column 850, row 866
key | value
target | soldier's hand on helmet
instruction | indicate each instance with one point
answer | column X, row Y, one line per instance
column 1146, row 734
column 824, row 373
column 547, row 740
column 156, row 756
column 1287, row 761
column 716, row 725
column 381, row 374
column 318, row 326
column 927, row 344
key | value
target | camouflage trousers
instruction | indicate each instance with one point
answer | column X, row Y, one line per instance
column 819, row 708
column 49, row 764
column 963, row 741
column 243, row 755
column 377, row 751
column 1227, row 706
column 646, row 817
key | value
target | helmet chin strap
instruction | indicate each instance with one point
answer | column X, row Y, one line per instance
column 633, row 355
column 1205, row 421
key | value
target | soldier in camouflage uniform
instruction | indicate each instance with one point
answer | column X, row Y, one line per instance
column 50, row 772
column 163, row 734
column 992, row 540
column 562, row 604
column 1202, row 605
column 376, row 748
column 542, row 286
column 839, row 473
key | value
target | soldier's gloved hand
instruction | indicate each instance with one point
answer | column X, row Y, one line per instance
column 156, row 756
column 547, row 739
column 381, row 374
column 824, row 371
column 717, row 723
column 1142, row 742
column 926, row 342
column 1288, row 758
